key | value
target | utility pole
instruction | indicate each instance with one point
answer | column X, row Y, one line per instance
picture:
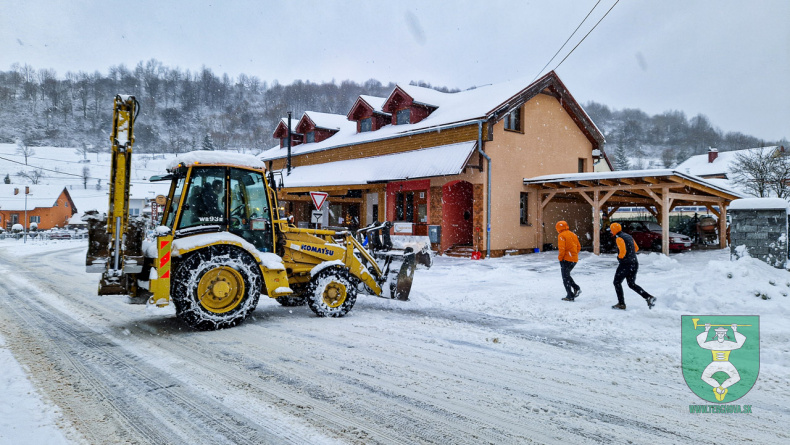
column 288, row 163
column 26, row 225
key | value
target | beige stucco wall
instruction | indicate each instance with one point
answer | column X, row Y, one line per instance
column 550, row 143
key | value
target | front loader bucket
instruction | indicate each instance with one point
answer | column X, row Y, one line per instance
column 401, row 286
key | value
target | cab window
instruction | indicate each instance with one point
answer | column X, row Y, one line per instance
column 172, row 208
column 250, row 215
column 205, row 200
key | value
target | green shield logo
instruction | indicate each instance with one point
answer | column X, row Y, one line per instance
column 721, row 355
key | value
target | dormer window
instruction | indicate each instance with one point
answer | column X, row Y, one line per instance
column 403, row 117
column 513, row 120
column 366, row 125
column 309, row 136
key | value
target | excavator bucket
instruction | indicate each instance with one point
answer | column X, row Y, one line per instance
column 99, row 258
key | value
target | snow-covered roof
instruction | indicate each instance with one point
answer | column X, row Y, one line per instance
column 699, row 166
column 759, row 203
column 40, row 196
column 374, row 102
column 425, row 96
column 294, row 123
column 566, row 177
column 143, row 190
column 436, row 161
column 462, row 108
column 215, row 157
column 76, row 220
column 330, row 121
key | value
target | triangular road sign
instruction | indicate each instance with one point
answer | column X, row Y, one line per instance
column 318, row 199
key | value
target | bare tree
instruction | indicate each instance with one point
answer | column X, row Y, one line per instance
column 34, row 176
column 82, row 150
column 668, row 157
column 780, row 174
column 23, row 149
column 761, row 172
column 86, row 174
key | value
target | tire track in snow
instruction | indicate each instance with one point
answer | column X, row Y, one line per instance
column 119, row 394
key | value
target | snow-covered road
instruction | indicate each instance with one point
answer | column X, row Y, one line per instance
column 484, row 353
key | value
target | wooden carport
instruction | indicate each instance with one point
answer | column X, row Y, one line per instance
column 658, row 191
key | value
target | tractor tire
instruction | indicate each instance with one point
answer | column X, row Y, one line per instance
column 291, row 301
column 332, row 292
column 216, row 287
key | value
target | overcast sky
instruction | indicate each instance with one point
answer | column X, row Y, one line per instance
column 728, row 60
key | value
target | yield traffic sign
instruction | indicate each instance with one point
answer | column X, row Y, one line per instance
column 318, row 199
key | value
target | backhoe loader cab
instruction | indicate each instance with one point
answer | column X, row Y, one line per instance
column 221, row 198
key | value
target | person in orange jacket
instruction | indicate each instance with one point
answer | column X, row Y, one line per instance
column 628, row 267
column 568, row 244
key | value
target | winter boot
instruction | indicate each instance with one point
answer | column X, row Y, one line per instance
column 568, row 298
column 620, row 306
column 577, row 293
column 651, row 302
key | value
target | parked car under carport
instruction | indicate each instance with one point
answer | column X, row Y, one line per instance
column 647, row 235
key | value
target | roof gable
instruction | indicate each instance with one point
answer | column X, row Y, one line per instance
column 314, row 119
column 281, row 131
column 365, row 106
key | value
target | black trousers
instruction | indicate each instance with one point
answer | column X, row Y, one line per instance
column 570, row 286
column 627, row 271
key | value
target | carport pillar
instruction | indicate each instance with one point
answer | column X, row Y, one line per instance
column 722, row 225
column 596, row 223
column 597, row 202
column 665, row 203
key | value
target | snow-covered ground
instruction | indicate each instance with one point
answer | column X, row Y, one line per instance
column 485, row 351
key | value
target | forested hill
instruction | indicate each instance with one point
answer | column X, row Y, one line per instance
column 179, row 108
column 636, row 140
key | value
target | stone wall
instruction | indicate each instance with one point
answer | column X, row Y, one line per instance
column 762, row 233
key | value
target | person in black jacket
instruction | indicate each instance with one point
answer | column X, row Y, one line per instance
column 626, row 270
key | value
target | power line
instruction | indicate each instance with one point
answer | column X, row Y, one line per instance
column 588, row 33
column 566, row 41
column 42, row 168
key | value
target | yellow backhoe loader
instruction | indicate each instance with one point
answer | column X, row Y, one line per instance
column 223, row 242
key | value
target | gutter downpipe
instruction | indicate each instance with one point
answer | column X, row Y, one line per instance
column 488, row 189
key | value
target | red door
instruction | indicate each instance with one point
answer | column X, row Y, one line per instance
column 456, row 214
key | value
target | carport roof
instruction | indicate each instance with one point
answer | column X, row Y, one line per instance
column 657, row 178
